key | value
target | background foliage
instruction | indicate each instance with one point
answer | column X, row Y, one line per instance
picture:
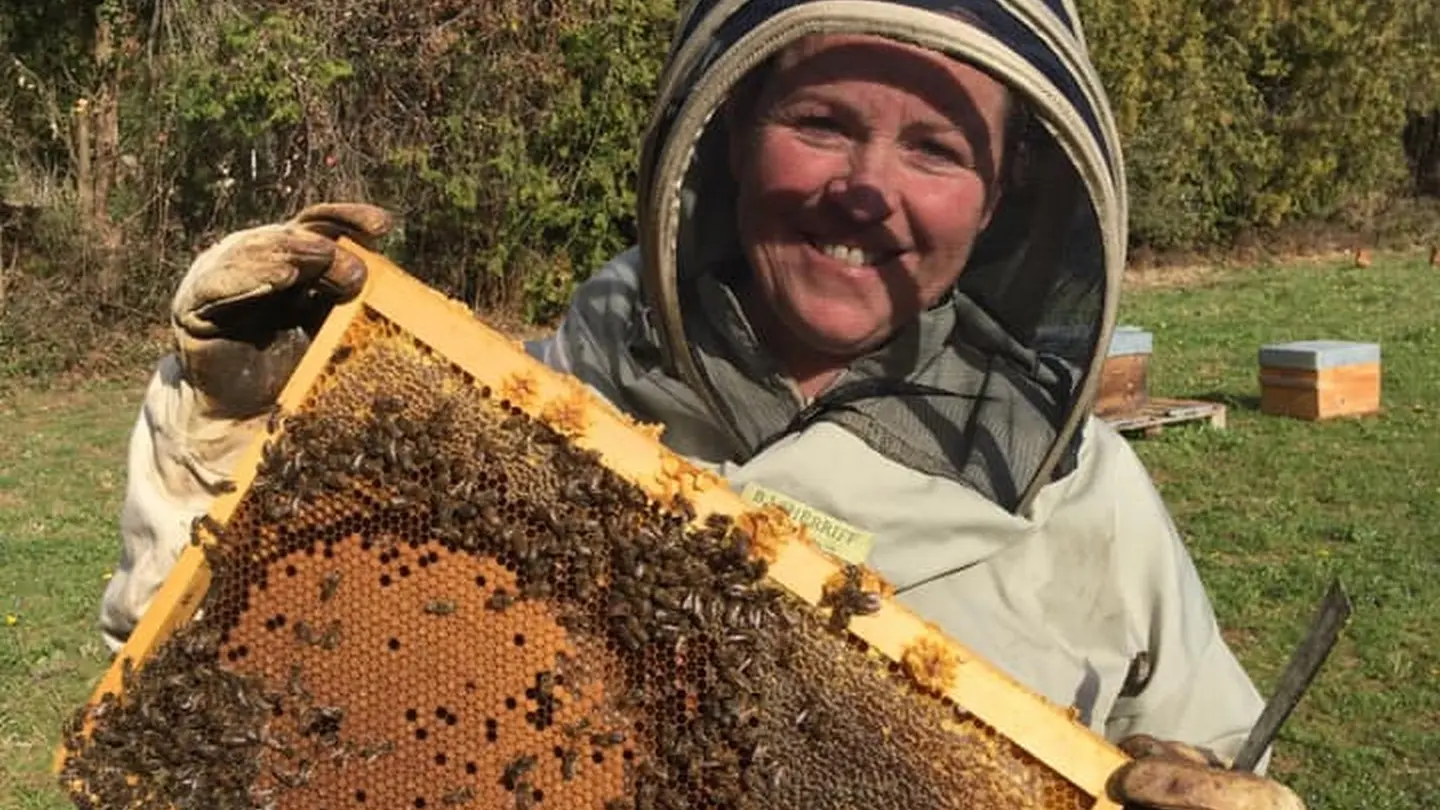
column 505, row 133
column 1251, row 116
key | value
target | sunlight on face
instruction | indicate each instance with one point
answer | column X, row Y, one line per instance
column 866, row 171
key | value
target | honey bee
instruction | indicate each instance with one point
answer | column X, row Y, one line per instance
column 272, row 423
column 499, row 601
column 490, row 515
column 440, row 607
column 568, row 758
column 607, row 739
column 293, row 465
column 373, row 751
column 292, row 779
column 276, row 509
column 633, row 698
column 537, row 589
column 516, row 770
column 632, row 634
column 324, row 721
column 847, row 598
column 330, row 639
column 329, row 585
column 280, row 745
column 261, row 799
column 304, row 633
column 458, row 796
column 387, row 404
column 206, row 524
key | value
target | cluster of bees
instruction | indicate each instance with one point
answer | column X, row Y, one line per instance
column 193, row 727
column 429, row 599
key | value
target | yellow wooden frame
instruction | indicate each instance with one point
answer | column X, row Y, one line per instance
column 1047, row 732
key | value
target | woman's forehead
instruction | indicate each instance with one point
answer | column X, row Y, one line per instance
column 817, row 60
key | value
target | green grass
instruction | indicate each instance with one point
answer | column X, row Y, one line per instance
column 61, row 485
column 1272, row 509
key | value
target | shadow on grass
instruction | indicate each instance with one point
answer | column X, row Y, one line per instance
column 1231, row 400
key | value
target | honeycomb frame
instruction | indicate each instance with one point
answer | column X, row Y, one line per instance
column 938, row 664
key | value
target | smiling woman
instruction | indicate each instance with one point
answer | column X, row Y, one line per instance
column 866, row 170
column 844, row 302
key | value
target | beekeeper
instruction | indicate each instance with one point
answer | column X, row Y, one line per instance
column 881, row 250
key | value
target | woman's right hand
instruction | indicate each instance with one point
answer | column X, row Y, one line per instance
column 247, row 308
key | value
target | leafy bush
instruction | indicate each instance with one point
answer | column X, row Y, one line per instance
column 1242, row 116
column 505, row 134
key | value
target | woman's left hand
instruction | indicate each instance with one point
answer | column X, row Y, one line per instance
column 1174, row 776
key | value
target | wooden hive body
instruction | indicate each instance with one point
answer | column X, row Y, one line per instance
column 1316, row 379
column 372, row 659
column 1125, row 377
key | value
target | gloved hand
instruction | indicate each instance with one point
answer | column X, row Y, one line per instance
column 1176, row 776
column 247, row 308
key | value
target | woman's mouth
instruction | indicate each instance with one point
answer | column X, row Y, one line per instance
column 852, row 255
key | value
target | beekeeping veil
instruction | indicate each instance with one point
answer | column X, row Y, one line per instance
column 992, row 385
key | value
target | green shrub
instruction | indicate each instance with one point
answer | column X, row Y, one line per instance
column 1243, row 116
column 505, row 134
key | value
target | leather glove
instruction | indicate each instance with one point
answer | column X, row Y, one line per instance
column 1175, row 776
column 246, row 310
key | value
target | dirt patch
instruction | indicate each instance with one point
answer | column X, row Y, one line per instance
column 1155, row 278
column 1185, row 275
column 1238, row 639
column 1298, row 247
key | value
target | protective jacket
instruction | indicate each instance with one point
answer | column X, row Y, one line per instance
column 960, row 459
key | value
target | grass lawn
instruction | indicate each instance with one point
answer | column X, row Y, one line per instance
column 61, row 485
column 1272, row 509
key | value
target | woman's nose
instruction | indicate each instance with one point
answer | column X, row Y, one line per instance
column 865, row 191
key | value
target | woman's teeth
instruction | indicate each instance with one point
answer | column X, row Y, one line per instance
column 853, row 256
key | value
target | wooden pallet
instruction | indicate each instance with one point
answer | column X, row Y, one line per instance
column 1153, row 415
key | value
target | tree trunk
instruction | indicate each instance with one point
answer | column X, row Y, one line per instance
column 1422, row 147
column 102, row 142
column 107, row 118
column 4, row 268
column 84, row 172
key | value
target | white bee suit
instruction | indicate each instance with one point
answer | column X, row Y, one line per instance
column 963, row 452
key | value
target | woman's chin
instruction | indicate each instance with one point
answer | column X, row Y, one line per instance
column 842, row 342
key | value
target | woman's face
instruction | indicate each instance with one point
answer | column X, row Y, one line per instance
column 866, row 169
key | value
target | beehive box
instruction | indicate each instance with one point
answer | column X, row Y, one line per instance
column 1125, row 376
column 1320, row 379
column 449, row 576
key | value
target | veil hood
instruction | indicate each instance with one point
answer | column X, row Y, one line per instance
column 1043, row 281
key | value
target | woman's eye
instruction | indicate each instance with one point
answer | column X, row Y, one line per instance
column 817, row 123
column 941, row 151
